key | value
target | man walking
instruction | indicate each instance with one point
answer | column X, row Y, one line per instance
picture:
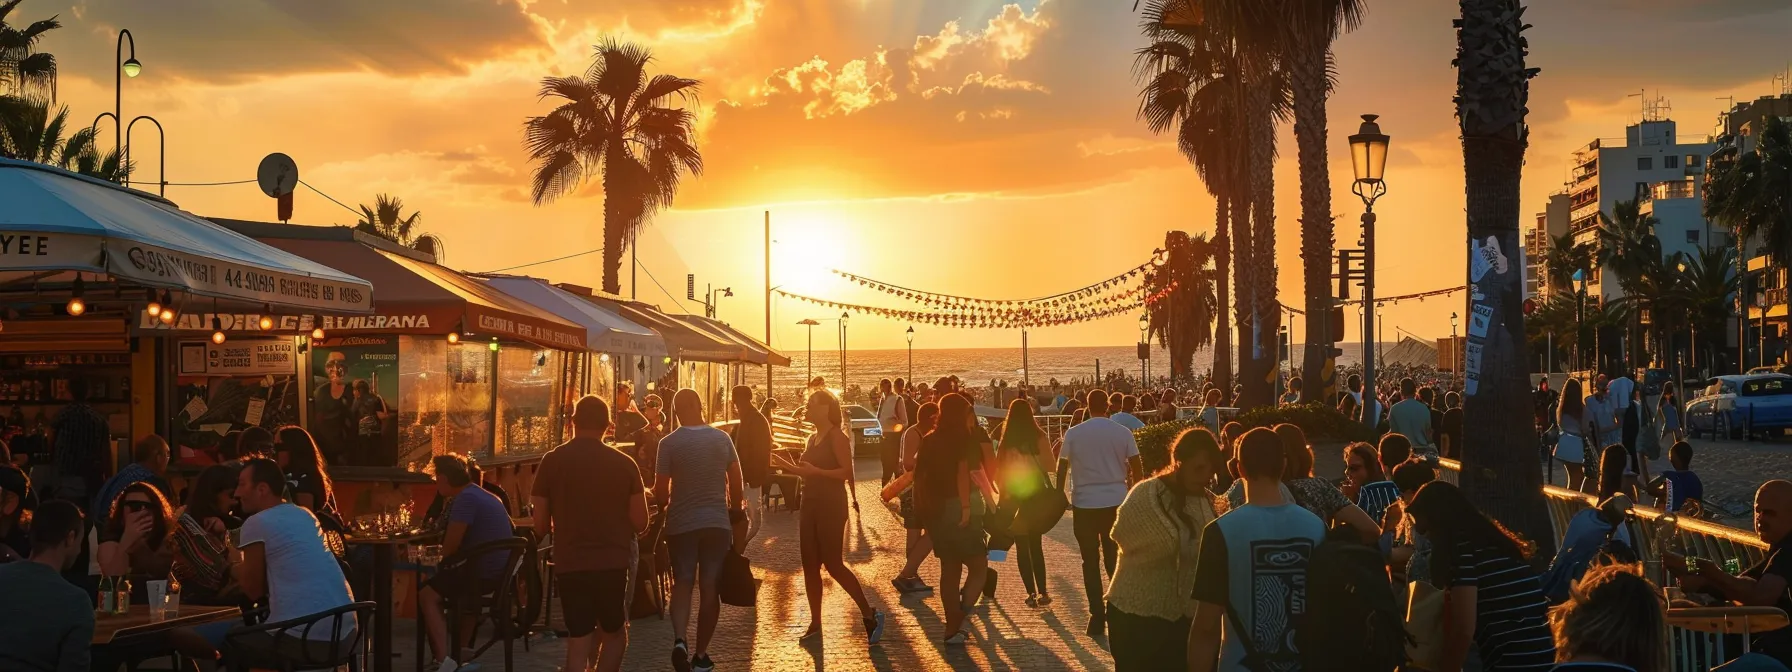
column 1252, row 565
column 892, row 416
column 698, row 483
column 753, row 443
column 1101, row 460
column 589, row 495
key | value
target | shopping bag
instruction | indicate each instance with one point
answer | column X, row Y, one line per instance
column 738, row 587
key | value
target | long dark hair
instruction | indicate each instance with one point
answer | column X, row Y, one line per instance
column 1020, row 432
column 1371, row 461
column 306, row 459
column 1455, row 526
column 202, row 498
column 1572, row 402
column 1191, row 445
column 1611, row 469
column 158, row 505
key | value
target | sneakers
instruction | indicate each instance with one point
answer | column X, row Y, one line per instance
column 1044, row 599
column 957, row 639
column 911, row 584
column 703, row 664
column 1032, row 600
column 681, row 658
column 874, row 628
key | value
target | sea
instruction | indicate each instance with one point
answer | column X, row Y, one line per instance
column 984, row 366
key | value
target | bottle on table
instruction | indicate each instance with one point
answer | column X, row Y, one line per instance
column 107, row 597
column 121, row 603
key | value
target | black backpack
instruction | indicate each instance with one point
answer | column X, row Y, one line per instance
column 1352, row 622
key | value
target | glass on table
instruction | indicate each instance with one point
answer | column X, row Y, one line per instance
column 171, row 601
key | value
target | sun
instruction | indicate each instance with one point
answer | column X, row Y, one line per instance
column 806, row 247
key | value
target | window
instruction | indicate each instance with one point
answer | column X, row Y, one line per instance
column 1645, row 163
column 1670, row 161
column 1692, row 236
column 1694, row 160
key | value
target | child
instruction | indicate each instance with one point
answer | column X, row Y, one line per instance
column 1679, row 484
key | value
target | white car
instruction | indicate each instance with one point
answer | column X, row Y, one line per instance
column 867, row 434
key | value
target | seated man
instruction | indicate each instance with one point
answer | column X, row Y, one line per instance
column 475, row 517
column 50, row 623
column 284, row 560
column 1673, row 487
column 1763, row 585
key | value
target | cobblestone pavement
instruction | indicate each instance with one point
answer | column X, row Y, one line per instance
column 1006, row 635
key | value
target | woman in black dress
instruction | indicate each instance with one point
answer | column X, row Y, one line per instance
column 330, row 405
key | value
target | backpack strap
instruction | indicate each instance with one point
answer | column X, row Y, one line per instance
column 1252, row 659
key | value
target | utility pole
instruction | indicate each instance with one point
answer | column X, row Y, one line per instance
column 768, row 302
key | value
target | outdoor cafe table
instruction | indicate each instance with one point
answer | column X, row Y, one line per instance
column 108, row 628
column 1728, row 620
column 385, row 558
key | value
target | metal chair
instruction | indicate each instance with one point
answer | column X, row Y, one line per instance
column 293, row 645
column 498, row 607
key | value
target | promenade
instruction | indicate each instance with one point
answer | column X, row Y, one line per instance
column 1006, row 635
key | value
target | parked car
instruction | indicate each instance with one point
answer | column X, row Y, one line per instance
column 1755, row 404
column 867, row 434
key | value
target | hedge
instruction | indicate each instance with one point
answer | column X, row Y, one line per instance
column 1322, row 423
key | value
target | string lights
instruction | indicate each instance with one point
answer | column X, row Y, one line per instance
column 986, row 317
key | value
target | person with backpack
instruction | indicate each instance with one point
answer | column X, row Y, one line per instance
column 1493, row 600
column 1159, row 529
column 1591, row 533
column 1250, row 571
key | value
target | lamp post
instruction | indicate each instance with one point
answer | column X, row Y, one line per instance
column 1380, row 324
column 1144, row 347
column 843, row 317
column 1369, row 159
column 126, row 67
column 808, row 361
column 911, row 355
column 709, row 306
column 1692, row 335
column 1761, row 332
column 161, row 153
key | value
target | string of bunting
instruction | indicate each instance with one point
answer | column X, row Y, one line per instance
column 1089, row 293
column 1019, row 318
column 1388, row 299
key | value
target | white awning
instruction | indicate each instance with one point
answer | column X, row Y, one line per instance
column 604, row 331
column 56, row 221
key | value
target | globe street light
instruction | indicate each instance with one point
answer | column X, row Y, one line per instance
column 126, row 67
column 1369, row 158
column 1144, row 347
column 1453, row 319
column 911, row 355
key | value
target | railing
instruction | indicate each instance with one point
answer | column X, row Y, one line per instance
column 1696, row 637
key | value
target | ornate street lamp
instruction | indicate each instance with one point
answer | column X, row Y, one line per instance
column 1369, row 158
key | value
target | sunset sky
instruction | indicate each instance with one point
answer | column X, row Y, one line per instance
column 976, row 147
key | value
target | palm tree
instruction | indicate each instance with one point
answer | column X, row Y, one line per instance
column 31, row 131
column 1492, row 91
column 1184, row 322
column 1703, row 290
column 386, row 219
column 23, row 69
column 1564, row 258
column 1633, row 254
column 1193, row 87
column 1312, row 27
column 1751, row 192
column 615, row 121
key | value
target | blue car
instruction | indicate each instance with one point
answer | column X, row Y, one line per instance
column 1758, row 404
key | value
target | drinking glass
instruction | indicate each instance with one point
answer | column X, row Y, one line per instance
column 171, row 603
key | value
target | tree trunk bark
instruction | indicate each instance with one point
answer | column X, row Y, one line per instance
column 1317, row 367
column 1500, row 469
column 615, row 221
column 1222, row 264
column 1244, row 270
column 1266, row 310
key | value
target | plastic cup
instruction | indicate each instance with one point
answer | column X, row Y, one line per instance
column 158, row 598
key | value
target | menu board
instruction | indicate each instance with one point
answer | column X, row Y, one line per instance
column 239, row 357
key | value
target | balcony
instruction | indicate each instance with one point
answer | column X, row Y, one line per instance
column 1662, row 191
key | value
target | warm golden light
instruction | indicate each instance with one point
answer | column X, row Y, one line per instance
column 218, row 337
column 76, row 307
column 453, row 337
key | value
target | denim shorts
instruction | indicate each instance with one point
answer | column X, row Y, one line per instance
column 703, row 549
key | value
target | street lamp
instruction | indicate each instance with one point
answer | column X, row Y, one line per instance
column 127, row 67
column 1369, row 158
column 1144, row 346
column 843, row 318
column 709, row 307
column 809, row 361
column 911, row 355
column 1453, row 319
column 1761, row 333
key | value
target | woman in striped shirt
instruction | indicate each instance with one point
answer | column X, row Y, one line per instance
column 1492, row 596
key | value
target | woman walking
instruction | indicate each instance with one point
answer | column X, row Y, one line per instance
column 1493, row 598
column 1571, row 444
column 919, row 544
column 1025, row 457
column 1668, row 409
column 1159, row 529
column 949, row 503
column 825, row 468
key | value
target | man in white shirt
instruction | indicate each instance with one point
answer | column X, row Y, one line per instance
column 892, row 416
column 1602, row 413
column 284, row 560
column 1101, row 460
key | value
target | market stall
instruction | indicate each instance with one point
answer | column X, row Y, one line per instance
column 695, row 358
column 96, row 278
column 613, row 344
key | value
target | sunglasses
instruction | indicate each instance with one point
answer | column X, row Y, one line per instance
column 135, row 505
column 1356, row 466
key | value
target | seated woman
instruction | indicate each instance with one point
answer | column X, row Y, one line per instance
column 307, row 474
column 201, row 541
column 134, row 537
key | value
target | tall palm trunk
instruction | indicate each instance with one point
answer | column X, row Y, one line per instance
column 615, row 220
column 1222, row 265
column 1266, row 312
column 1309, row 84
column 1244, row 270
column 1499, row 459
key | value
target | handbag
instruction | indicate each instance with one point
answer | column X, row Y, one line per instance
column 1041, row 512
column 738, row 587
column 1571, row 448
column 1424, row 624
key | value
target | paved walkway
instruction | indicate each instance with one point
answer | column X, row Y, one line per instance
column 1007, row 635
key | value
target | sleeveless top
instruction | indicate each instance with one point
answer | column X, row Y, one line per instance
column 821, row 489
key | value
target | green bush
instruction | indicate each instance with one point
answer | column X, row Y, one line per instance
column 1154, row 442
column 1322, row 423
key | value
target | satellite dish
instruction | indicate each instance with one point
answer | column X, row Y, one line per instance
column 277, row 175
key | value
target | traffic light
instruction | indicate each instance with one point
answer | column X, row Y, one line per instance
column 1335, row 324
